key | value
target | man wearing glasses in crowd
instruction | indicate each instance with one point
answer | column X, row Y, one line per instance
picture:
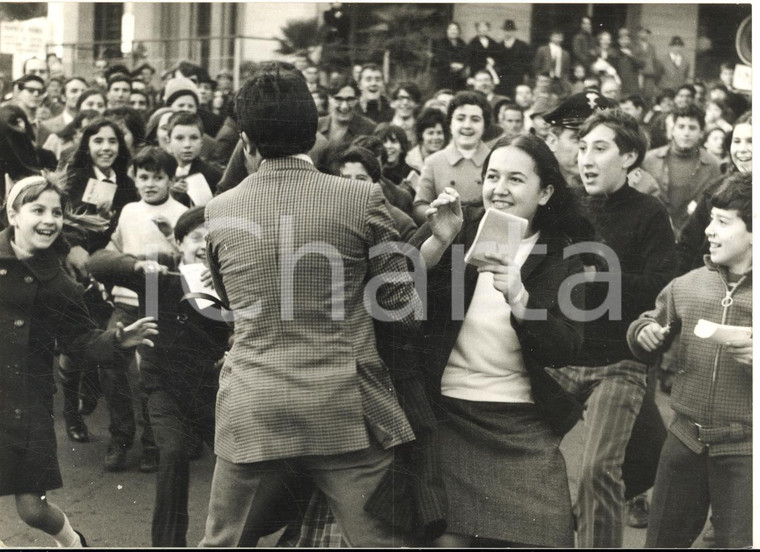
column 343, row 124
column 27, row 94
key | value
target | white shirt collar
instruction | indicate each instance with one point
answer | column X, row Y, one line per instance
column 100, row 175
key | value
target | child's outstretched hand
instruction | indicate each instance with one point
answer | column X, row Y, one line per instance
column 741, row 351
column 652, row 336
column 137, row 333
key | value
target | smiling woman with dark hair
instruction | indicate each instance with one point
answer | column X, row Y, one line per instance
column 502, row 415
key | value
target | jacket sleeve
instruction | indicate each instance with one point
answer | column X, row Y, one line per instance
column 555, row 327
column 80, row 339
column 213, row 265
column 664, row 314
column 397, row 292
column 659, row 265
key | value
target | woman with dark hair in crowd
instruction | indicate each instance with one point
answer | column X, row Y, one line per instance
column 432, row 136
column 460, row 163
column 396, row 145
column 131, row 124
column 502, row 415
column 19, row 157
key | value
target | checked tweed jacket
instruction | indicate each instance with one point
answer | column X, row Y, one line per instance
column 299, row 380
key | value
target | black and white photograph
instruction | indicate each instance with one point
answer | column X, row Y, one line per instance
column 381, row 275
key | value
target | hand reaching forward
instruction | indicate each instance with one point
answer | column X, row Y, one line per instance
column 137, row 333
column 445, row 215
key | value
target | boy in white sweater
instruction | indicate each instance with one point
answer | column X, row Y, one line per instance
column 145, row 230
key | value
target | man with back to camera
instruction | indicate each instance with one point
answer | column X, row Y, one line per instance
column 303, row 388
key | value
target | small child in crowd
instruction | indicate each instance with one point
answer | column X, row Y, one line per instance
column 185, row 141
column 706, row 461
column 180, row 375
column 40, row 305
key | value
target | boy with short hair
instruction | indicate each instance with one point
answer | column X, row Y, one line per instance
column 706, row 461
column 185, row 141
column 683, row 168
column 639, row 251
column 179, row 376
column 144, row 231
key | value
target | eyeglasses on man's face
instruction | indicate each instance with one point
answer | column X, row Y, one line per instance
column 34, row 90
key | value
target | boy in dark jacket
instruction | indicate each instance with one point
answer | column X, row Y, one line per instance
column 180, row 375
column 185, row 141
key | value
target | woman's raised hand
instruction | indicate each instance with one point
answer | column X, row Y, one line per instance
column 445, row 215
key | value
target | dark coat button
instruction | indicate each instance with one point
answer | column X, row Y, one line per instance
column 19, row 323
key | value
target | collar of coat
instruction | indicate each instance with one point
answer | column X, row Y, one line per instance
column 453, row 155
column 44, row 265
column 298, row 161
column 663, row 151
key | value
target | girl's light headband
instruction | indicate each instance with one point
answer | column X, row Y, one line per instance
column 20, row 186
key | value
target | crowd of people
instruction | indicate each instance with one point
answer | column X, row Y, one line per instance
column 343, row 401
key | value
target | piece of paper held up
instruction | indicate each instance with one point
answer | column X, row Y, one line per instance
column 498, row 233
column 198, row 189
column 193, row 283
column 99, row 193
column 720, row 333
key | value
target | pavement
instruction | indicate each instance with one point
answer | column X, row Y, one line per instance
column 114, row 509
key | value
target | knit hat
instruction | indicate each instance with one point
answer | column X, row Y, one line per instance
column 189, row 221
column 180, row 86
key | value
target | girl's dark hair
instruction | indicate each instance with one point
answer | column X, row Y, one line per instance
column 428, row 118
column 91, row 92
column 560, row 214
column 132, row 120
column 386, row 131
column 470, row 98
column 81, row 160
column 18, row 156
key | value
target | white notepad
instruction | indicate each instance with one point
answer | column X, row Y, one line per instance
column 498, row 233
column 198, row 189
column 720, row 333
column 193, row 283
column 99, row 193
